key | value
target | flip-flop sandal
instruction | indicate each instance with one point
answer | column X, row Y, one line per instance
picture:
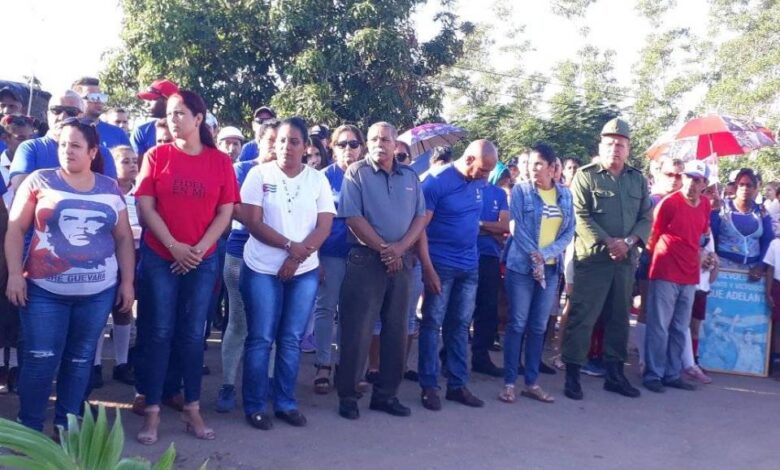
column 507, row 395
column 538, row 394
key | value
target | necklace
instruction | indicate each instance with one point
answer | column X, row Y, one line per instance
column 290, row 196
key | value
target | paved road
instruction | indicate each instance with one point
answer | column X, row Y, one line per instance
column 729, row 424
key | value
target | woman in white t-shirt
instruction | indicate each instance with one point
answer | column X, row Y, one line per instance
column 80, row 264
column 288, row 210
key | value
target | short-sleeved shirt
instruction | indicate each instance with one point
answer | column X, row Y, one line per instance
column 772, row 257
column 290, row 206
column 73, row 250
column 336, row 244
column 144, row 137
column 187, row 190
column 675, row 239
column 608, row 206
column 111, row 136
column 388, row 201
column 456, row 204
column 249, row 152
column 238, row 232
column 41, row 153
column 493, row 202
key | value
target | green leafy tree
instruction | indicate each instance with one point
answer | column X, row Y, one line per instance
column 354, row 61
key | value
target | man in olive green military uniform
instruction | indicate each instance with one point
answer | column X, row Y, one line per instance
column 613, row 217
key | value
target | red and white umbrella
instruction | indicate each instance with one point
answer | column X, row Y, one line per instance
column 714, row 134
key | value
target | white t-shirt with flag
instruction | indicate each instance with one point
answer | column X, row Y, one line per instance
column 290, row 206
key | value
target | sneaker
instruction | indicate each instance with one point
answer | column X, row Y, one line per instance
column 124, row 373
column 594, row 368
column 654, row 386
column 96, row 378
column 307, row 345
column 226, row 399
column 695, row 374
column 292, row 417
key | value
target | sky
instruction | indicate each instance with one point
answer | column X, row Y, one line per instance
column 93, row 26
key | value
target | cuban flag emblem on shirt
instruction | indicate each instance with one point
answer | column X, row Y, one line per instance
column 269, row 188
column 551, row 212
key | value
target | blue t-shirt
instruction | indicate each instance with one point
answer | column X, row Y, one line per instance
column 238, row 232
column 111, row 136
column 336, row 244
column 144, row 137
column 248, row 152
column 456, row 205
column 41, row 153
column 2, row 146
column 493, row 202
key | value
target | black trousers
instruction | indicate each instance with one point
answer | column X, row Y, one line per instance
column 485, row 309
column 369, row 293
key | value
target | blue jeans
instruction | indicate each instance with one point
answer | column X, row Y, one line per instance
column 278, row 312
column 529, row 309
column 450, row 311
column 669, row 308
column 58, row 331
column 176, row 309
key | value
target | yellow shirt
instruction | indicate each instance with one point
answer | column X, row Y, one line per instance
column 552, row 218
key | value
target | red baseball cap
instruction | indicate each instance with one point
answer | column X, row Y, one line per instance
column 159, row 89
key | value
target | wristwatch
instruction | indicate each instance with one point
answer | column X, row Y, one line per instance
column 629, row 241
column 288, row 245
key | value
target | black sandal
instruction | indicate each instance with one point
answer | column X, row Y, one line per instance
column 260, row 421
column 322, row 384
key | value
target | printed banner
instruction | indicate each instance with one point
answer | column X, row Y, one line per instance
column 734, row 338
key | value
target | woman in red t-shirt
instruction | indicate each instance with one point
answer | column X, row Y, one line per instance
column 185, row 200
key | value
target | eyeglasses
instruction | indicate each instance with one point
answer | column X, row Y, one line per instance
column 401, row 156
column 17, row 120
column 353, row 144
column 71, row 111
column 96, row 98
column 676, row 176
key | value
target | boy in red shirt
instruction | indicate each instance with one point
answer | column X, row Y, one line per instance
column 680, row 221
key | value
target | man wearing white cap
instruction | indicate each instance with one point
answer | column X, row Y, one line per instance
column 229, row 140
column 681, row 221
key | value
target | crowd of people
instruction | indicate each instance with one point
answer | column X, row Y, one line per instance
column 327, row 240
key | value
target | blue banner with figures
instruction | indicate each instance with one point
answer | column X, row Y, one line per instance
column 734, row 338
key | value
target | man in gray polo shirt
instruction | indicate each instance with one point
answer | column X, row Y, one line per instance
column 385, row 211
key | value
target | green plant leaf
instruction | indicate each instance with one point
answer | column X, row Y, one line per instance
column 167, row 459
column 34, row 444
column 115, row 442
column 94, row 457
column 21, row 463
column 70, row 437
column 85, row 436
column 133, row 464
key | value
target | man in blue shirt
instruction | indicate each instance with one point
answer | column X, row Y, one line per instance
column 156, row 97
column 493, row 225
column 450, row 260
column 39, row 153
column 94, row 105
column 251, row 149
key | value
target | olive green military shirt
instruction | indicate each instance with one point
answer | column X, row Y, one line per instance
column 607, row 206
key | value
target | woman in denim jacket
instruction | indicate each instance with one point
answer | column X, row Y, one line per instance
column 542, row 227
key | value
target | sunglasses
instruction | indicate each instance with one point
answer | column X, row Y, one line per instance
column 353, row 144
column 71, row 111
column 17, row 120
column 401, row 156
column 96, row 98
column 676, row 176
